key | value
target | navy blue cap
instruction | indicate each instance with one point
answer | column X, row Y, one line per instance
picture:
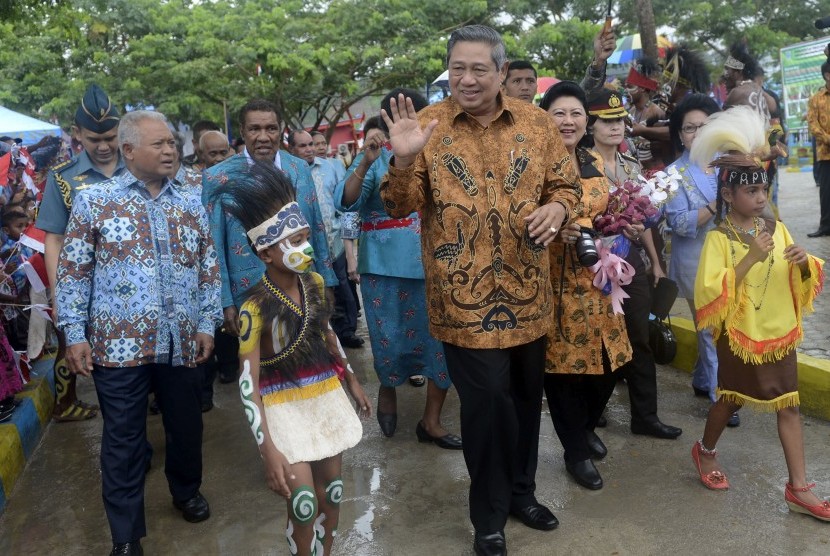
column 96, row 112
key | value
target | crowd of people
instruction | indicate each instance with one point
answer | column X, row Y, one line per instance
column 507, row 249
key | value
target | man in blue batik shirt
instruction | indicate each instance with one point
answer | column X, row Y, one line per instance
column 240, row 267
column 138, row 301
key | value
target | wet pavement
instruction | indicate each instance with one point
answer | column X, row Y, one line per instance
column 406, row 498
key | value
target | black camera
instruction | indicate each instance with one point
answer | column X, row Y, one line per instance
column 586, row 248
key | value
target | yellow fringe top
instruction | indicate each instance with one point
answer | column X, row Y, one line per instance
column 761, row 320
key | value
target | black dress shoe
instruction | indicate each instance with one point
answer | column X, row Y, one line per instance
column 536, row 516
column 595, row 445
column 734, row 420
column 127, row 549
column 195, row 509
column 207, row 406
column 490, row 545
column 388, row 423
column 448, row 441
column 352, row 341
column 700, row 393
column 656, row 429
column 585, row 473
column 819, row 233
column 602, row 422
column 154, row 408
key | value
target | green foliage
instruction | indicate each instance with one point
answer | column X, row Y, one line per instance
column 561, row 49
column 188, row 58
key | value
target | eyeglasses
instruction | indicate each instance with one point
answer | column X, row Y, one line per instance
column 690, row 128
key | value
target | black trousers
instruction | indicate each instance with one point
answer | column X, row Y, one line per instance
column 576, row 403
column 824, row 194
column 122, row 395
column 501, row 403
column 225, row 359
column 640, row 373
column 344, row 319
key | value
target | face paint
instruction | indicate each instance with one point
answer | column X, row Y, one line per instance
column 246, row 392
column 299, row 258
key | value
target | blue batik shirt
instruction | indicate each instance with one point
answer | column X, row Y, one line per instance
column 138, row 276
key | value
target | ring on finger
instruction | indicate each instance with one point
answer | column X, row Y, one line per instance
column 553, row 229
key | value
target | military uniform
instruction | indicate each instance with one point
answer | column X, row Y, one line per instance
column 62, row 184
column 97, row 114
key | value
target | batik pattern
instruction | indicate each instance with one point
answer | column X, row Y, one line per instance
column 138, row 276
column 487, row 281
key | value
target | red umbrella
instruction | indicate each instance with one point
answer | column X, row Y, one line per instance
column 545, row 83
column 542, row 85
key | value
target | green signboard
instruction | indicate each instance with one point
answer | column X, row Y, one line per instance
column 801, row 78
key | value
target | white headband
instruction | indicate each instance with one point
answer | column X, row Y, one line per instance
column 288, row 221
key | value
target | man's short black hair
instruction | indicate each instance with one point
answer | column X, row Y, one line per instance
column 256, row 105
column 202, row 126
column 825, row 67
column 314, row 132
column 520, row 65
column 292, row 136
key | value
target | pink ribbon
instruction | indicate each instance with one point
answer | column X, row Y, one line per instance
column 614, row 272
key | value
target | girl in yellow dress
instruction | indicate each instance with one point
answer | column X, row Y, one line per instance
column 292, row 364
column 753, row 286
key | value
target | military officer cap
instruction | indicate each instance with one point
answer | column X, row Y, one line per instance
column 96, row 112
column 606, row 105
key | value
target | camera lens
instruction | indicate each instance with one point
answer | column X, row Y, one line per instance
column 586, row 249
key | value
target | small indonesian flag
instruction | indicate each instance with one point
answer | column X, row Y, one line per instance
column 34, row 238
column 35, row 269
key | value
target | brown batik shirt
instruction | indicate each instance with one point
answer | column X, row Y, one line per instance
column 585, row 323
column 487, row 282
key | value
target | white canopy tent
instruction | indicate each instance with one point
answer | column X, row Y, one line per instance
column 29, row 129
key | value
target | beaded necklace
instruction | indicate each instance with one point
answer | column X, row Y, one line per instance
column 758, row 227
column 274, row 290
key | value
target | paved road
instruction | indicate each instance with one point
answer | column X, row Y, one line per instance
column 405, row 498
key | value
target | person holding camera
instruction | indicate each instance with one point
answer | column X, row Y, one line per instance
column 605, row 124
column 588, row 341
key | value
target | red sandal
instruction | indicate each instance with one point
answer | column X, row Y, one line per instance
column 714, row 480
column 819, row 511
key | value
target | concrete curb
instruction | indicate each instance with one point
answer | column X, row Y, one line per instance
column 20, row 436
column 813, row 373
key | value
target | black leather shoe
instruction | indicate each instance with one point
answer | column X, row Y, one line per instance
column 352, row 342
column 127, row 548
column 595, row 445
column 536, row 516
column 388, row 423
column 734, row 420
column 656, row 429
column 819, row 233
column 154, row 408
column 584, row 473
column 448, row 441
column 490, row 545
column 602, row 422
column 700, row 393
column 194, row 510
column 207, row 405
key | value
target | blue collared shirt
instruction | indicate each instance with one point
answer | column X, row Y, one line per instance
column 325, row 180
column 138, row 276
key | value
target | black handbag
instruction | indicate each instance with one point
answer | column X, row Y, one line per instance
column 662, row 341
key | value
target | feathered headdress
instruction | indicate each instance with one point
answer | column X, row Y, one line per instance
column 262, row 199
column 686, row 67
column 733, row 141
